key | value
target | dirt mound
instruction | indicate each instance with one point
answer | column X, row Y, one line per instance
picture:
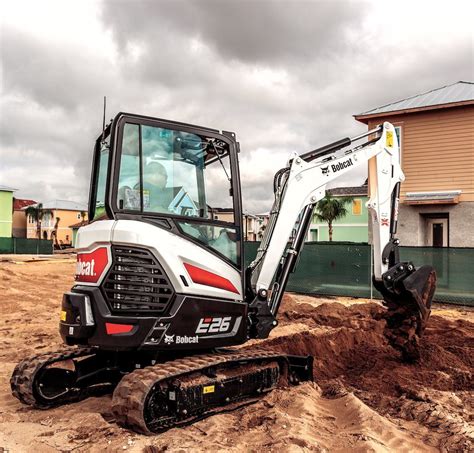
column 364, row 398
column 355, row 356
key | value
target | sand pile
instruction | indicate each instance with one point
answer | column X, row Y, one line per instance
column 354, row 356
column 364, row 397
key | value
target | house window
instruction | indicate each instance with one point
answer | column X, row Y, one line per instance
column 313, row 234
column 357, row 206
column 398, row 132
column 78, row 216
column 46, row 220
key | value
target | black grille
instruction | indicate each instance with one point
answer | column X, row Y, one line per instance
column 136, row 282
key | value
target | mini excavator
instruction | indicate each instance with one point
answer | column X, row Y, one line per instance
column 161, row 292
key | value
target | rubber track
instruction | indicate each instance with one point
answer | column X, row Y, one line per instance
column 128, row 402
column 22, row 380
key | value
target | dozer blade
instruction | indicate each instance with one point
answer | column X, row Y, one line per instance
column 407, row 294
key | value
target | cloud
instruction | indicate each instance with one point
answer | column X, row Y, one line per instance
column 256, row 32
column 284, row 75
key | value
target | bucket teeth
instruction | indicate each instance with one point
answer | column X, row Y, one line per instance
column 407, row 294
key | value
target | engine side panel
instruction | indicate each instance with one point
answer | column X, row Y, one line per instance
column 173, row 253
column 194, row 323
column 125, row 266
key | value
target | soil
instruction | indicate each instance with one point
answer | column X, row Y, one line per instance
column 363, row 398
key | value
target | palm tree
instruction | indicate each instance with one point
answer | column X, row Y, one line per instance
column 35, row 212
column 329, row 209
column 54, row 233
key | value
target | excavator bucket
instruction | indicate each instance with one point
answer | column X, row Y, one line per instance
column 407, row 293
column 421, row 286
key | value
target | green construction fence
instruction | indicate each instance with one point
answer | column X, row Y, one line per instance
column 344, row 269
column 26, row 246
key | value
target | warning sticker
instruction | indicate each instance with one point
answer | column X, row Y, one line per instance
column 208, row 389
column 389, row 139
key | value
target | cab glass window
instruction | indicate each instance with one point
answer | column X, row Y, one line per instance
column 101, row 180
column 176, row 173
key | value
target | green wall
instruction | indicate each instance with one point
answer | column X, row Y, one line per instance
column 352, row 227
column 74, row 236
column 6, row 215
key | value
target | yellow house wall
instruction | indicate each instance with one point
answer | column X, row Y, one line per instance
column 67, row 218
column 224, row 216
column 437, row 150
column 19, row 223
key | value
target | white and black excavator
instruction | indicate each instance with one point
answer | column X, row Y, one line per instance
column 161, row 292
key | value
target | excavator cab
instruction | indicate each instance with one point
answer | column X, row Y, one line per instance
column 184, row 176
column 165, row 241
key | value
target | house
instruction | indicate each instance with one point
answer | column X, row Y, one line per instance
column 68, row 213
column 182, row 203
column 19, row 216
column 436, row 135
column 354, row 226
column 6, row 211
column 253, row 224
column 222, row 214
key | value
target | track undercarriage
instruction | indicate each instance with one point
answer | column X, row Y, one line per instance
column 152, row 397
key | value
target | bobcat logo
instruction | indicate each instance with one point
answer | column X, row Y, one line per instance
column 325, row 170
column 169, row 339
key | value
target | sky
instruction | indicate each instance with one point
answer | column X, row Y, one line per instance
column 283, row 75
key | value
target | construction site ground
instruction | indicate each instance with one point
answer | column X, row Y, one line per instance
column 364, row 397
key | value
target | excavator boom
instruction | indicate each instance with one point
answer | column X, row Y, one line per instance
column 407, row 292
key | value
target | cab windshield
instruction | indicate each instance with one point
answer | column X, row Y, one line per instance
column 172, row 173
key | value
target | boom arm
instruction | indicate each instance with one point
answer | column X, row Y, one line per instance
column 297, row 190
column 305, row 184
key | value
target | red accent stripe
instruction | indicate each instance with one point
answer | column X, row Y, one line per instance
column 207, row 320
column 207, row 278
column 113, row 329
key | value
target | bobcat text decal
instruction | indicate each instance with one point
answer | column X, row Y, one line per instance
column 342, row 165
column 91, row 265
column 170, row 339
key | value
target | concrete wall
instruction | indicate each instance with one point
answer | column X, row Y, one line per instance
column 6, row 207
column 351, row 233
column 412, row 224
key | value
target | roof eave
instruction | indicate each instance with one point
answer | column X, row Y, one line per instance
column 364, row 118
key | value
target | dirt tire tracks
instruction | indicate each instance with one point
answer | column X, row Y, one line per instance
column 456, row 433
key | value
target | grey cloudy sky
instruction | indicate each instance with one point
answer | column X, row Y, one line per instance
column 284, row 75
